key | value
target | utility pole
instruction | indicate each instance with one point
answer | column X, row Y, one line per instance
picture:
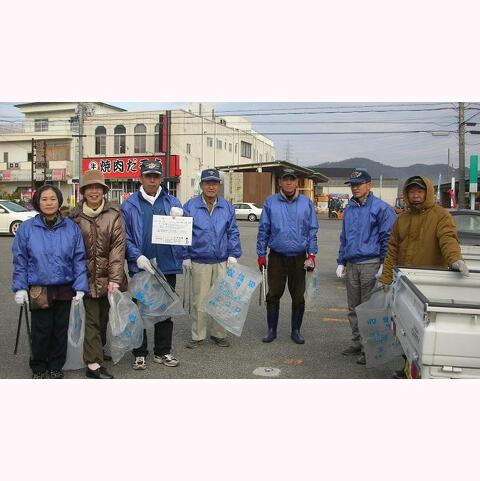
column 34, row 159
column 77, row 170
column 44, row 161
column 461, row 155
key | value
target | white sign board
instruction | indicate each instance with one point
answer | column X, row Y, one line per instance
column 172, row 230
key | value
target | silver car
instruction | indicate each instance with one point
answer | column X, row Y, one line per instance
column 247, row 210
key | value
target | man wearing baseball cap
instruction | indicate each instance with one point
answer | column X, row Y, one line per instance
column 288, row 227
column 424, row 235
column 138, row 211
column 215, row 246
column 366, row 228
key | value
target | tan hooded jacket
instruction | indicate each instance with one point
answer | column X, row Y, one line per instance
column 104, row 238
column 423, row 236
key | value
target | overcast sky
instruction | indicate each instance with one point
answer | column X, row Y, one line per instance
column 318, row 123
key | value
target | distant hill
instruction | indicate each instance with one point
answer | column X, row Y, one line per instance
column 376, row 169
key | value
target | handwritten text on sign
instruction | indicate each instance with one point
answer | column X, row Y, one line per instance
column 172, row 230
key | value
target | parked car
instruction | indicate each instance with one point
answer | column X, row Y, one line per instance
column 247, row 210
column 12, row 215
column 468, row 226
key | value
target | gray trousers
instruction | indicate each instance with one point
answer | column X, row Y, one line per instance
column 360, row 281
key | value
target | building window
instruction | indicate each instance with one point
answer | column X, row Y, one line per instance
column 74, row 124
column 219, row 144
column 5, row 156
column 100, row 140
column 246, row 149
column 41, row 125
column 261, row 158
column 225, row 145
column 236, row 147
column 189, row 148
column 119, row 143
column 140, row 133
column 229, row 147
column 209, row 142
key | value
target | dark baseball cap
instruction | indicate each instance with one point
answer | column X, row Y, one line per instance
column 210, row 175
column 359, row 176
column 418, row 181
column 151, row 167
column 288, row 173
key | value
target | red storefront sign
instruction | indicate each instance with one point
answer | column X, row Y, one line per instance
column 129, row 167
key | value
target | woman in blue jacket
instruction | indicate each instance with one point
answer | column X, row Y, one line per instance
column 49, row 270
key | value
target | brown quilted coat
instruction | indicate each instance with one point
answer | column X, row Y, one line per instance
column 422, row 236
column 104, row 238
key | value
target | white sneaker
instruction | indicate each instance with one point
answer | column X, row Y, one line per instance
column 166, row 359
column 139, row 364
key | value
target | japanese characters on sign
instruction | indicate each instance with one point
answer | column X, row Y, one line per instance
column 127, row 167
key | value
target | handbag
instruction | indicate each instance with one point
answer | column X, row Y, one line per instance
column 38, row 297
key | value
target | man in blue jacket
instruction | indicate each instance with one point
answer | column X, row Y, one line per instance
column 366, row 228
column 215, row 246
column 138, row 211
column 288, row 226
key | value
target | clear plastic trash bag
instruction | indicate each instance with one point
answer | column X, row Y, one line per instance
column 75, row 337
column 124, row 312
column 157, row 301
column 229, row 298
column 378, row 339
column 312, row 292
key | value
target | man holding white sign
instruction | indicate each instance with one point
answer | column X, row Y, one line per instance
column 215, row 246
column 139, row 211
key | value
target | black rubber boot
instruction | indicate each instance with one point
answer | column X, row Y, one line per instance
column 297, row 318
column 273, row 310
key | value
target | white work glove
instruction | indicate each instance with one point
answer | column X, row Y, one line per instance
column 231, row 261
column 112, row 287
column 187, row 264
column 380, row 272
column 144, row 264
column 21, row 297
column 176, row 212
column 461, row 266
column 79, row 296
column 340, row 271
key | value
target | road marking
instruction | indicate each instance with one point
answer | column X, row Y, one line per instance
column 295, row 362
column 333, row 319
column 266, row 371
column 338, row 309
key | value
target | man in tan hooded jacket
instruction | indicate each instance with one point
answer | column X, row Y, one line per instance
column 424, row 235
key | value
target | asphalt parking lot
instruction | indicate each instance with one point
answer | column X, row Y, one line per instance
column 326, row 332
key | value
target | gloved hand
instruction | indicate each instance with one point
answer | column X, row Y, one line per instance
column 309, row 263
column 176, row 212
column 21, row 297
column 78, row 296
column 144, row 264
column 187, row 264
column 461, row 266
column 340, row 271
column 262, row 262
column 231, row 261
column 380, row 272
column 112, row 287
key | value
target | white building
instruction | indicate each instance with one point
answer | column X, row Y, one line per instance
column 196, row 139
column 50, row 123
column 116, row 141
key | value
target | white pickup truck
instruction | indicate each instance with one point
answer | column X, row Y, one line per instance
column 436, row 317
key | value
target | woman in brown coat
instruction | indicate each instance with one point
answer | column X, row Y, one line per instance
column 103, row 232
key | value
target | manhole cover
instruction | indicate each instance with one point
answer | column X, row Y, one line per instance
column 267, row 371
